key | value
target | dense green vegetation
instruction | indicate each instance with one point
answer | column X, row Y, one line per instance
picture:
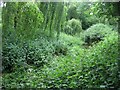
column 59, row 45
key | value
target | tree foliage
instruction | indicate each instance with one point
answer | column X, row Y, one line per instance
column 17, row 16
column 53, row 17
column 73, row 27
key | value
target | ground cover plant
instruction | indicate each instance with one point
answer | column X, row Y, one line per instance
column 59, row 45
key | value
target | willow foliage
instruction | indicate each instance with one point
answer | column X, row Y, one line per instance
column 23, row 19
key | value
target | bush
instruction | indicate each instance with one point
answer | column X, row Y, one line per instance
column 88, row 21
column 96, row 33
column 39, row 52
column 72, row 27
column 102, row 62
column 60, row 48
column 35, row 53
column 95, row 68
column 11, row 54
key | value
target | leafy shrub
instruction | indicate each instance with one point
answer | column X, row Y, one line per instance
column 70, row 40
column 39, row 52
column 11, row 54
column 95, row 68
column 35, row 53
column 67, row 44
column 72, row 27
column 113, row 23
column 102, row 62
column 96, row 33
column 60, row 48
column 88, row 21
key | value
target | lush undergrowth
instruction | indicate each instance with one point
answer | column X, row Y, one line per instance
column 70, row 65
column 59, row 45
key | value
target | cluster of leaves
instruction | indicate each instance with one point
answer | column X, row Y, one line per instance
column 96, row 33
column 73, row 27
